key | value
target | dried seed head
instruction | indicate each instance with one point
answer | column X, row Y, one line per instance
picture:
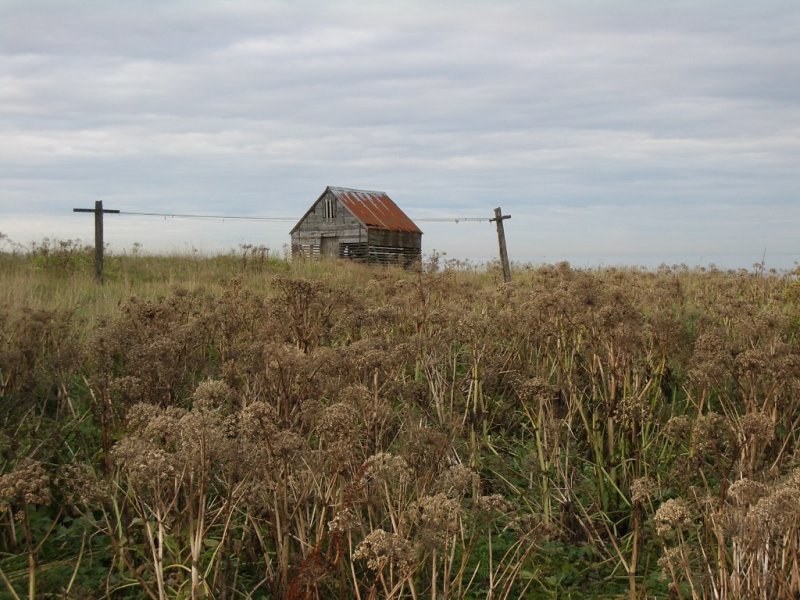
column 436, row 517
column 632, row 409
column 671, row 560
column 712, row 431
column 380, row 549
column 643, row 489
column 672, row 515
column 28, row 483
column 535, row 391
column 746, row 491
column 80, row 485
column 793, row 480
column 148, row 467
column 214, row 396
column 494, row 504
column 356, row 395
column 773, row 515
column 288, row 446
column 679, row 427
column 344, row 521
column 140, row 415
column 458, row 481
column 164, row 427
column 372, row 411
column 338, row 424
column 757, row 426
column 711, row 360
column 426, row 448
column 753, row 361
column 259, row 421
column 385, row 467
column 203, row 439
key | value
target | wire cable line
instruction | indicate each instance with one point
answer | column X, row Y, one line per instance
column 281, row 219
column 451, row 219
column 192, row 216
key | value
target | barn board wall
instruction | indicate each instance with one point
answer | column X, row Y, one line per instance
column 396, row 239
column 394, row 247
column 344, row 225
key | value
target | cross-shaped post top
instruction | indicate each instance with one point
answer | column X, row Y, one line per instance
column 499, row 216
column 98, row 207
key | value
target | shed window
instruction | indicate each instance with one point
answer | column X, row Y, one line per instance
column 330, row 208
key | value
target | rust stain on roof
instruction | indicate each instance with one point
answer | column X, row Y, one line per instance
column 375, row 209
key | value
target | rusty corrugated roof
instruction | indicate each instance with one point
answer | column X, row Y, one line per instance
column 374, row 209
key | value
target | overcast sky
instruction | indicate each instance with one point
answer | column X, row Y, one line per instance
column 641, row 130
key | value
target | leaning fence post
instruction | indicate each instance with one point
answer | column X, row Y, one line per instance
column 499, row 217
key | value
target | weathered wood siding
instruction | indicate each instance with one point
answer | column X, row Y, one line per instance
column 307, row 238
column 396, row 239
column 394, row 247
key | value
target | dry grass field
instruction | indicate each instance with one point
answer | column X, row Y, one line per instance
column 242, row 427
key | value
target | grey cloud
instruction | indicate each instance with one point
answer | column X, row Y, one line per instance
column 459, row 106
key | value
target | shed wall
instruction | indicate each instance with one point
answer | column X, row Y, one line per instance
column 307, row 238
column 394, row 247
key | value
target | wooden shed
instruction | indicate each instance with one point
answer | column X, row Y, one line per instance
column 358, row 225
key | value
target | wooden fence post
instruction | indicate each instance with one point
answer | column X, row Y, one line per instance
column 98, row 211
column 499, row 217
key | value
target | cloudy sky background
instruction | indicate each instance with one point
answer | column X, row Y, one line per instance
column 612, row 131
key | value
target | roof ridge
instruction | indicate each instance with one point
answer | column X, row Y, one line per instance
column 347, row 189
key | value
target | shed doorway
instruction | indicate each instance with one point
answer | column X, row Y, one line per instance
column 330, row 247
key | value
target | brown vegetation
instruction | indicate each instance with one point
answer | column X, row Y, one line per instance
column 242, row 427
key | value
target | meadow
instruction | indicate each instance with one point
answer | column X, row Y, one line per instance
column 243, row 427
